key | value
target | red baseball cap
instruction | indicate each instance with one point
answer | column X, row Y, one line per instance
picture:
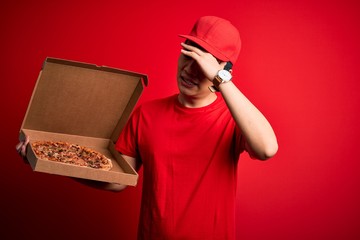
column 217, row 36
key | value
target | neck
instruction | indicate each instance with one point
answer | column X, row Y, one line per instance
column 194, row 102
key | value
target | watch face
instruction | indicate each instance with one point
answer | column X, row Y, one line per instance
column 225, row 75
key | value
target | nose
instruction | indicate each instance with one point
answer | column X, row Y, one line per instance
column 191, row 66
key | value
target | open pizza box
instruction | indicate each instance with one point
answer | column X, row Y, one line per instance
column 83, row 104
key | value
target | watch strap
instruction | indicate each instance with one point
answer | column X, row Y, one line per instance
column 217, row 81
column 228, row 66
column 213, row 89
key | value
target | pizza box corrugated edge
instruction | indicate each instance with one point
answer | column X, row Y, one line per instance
column 128, row 176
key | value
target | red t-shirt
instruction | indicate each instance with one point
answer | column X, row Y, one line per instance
column 189, row 158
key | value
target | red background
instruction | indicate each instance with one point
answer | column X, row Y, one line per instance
column 299, row 64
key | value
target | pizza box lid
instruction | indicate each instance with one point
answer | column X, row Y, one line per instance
column 85, row 104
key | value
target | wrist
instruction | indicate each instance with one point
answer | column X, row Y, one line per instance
column 223, row 76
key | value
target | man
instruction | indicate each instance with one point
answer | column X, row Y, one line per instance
column 189, row 143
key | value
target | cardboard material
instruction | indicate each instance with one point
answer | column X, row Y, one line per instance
column 83, row 104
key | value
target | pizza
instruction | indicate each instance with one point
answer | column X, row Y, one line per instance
column 69, row 153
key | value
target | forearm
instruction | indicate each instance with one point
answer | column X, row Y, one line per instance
column 113, row 187
column 258, row 132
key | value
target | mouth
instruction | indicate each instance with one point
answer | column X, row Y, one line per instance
column 187, row 82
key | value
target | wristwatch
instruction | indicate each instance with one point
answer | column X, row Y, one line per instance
column 223, row 76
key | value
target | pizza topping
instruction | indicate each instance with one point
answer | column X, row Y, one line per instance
column 71, row 154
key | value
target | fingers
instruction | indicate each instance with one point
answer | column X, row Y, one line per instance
column 27, row 139
column 206, row 61
column 199, row 55
column 23, row 150
column 18, row 146
column 189, row 53
column 191, row 48
column 21, row 146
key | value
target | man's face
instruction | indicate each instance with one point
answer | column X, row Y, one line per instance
column 190, row 78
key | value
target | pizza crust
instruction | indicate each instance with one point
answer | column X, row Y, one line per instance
column 72, row 154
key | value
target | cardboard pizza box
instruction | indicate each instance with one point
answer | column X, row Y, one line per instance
column 84, row 104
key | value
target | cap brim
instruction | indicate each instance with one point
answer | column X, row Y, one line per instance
column 216, row 53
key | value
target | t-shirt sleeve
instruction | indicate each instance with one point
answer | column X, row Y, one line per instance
column 127, row 141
